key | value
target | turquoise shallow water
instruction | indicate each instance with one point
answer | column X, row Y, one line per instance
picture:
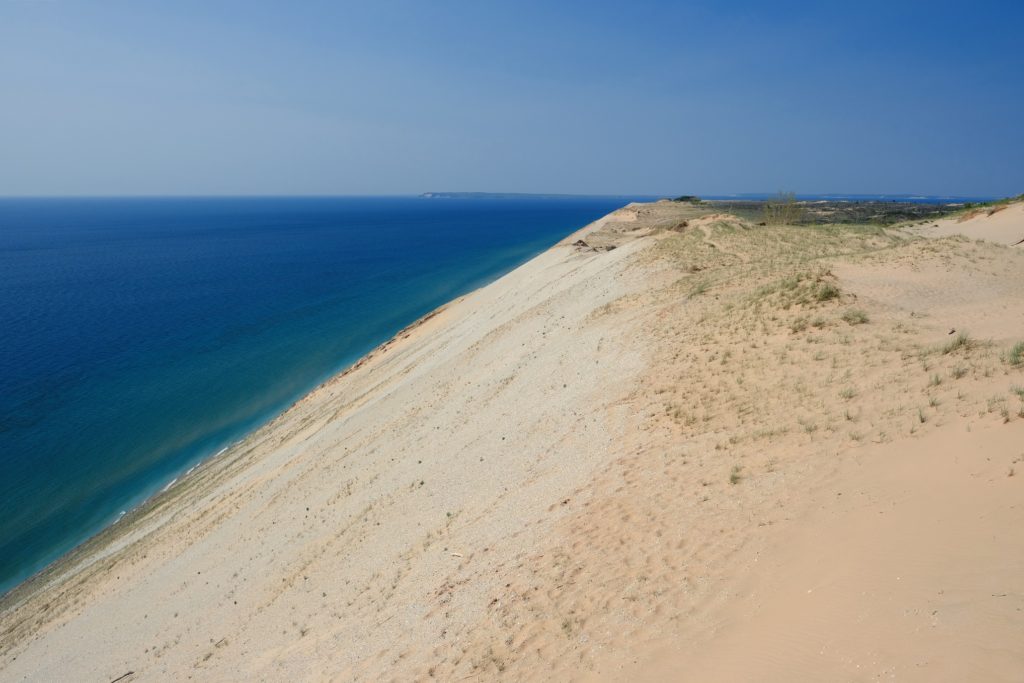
column 138, row 336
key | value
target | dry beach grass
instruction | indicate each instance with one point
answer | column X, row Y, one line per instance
column 688, row 447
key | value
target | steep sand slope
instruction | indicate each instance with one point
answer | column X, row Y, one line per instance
column 611, row 464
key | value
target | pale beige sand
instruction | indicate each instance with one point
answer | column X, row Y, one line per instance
column 1003, row 224
column 610, row 464
column 909, row 566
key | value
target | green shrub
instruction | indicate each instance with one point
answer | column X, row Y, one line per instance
column 783, row 209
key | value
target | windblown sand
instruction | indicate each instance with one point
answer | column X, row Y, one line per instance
column 689, row 448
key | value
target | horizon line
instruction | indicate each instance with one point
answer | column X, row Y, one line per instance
column 440, row 194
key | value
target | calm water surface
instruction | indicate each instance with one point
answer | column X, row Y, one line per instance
column 138, row 336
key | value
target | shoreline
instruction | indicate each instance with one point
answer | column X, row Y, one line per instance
column 16, row 594
column 64, row 566
column 602, row 466
column 9, row 597
column 142, row 402
column 143, row 518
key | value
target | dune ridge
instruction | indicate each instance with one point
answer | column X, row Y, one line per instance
column 633, row 457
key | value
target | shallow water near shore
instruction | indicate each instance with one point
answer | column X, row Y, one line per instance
column 139, row 336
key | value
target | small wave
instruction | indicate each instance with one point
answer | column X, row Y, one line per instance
column 172, row 483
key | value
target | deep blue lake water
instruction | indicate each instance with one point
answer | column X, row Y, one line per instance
column 138, row 336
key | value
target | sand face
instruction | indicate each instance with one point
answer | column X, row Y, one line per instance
column 621, row 461
column 1003, row 224
column 908, row 566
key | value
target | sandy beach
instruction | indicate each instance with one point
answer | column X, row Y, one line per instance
column 678, row 445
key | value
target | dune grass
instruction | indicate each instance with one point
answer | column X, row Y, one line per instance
column 855, row 316
column 1015, row 357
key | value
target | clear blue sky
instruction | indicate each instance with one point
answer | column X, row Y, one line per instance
column 310, row 97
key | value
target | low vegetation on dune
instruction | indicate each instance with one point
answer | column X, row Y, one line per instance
column 773, row 349
column 1016, row 355
column 783, row 209
column 994, row 204
column 783, row 324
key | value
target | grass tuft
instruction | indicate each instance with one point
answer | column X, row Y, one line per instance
column 826, row 292
column 855, row 316
column 961, row 341
column 1016, row 355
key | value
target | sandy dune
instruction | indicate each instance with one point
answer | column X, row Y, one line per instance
column 687, row 448
column 910, row 566
column 1002, row 224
